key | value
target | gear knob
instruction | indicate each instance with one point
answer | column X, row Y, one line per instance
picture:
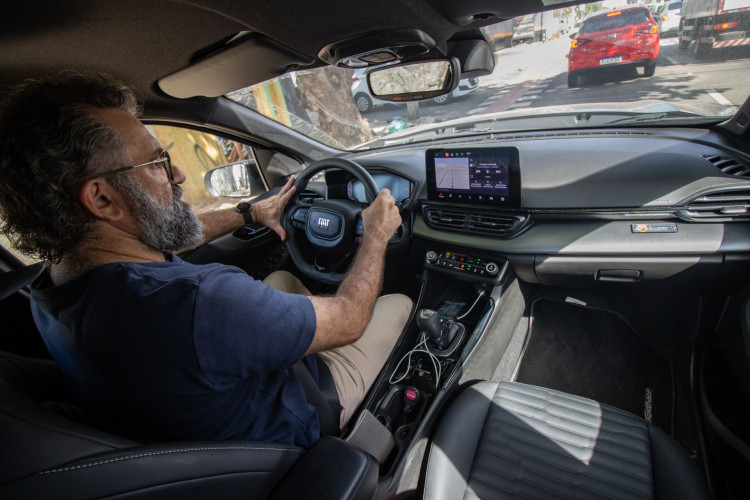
column 429, row 321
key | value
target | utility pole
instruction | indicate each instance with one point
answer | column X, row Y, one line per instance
column 412, row 107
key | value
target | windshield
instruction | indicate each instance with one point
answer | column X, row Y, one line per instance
column 625, row 66
column 615, row 19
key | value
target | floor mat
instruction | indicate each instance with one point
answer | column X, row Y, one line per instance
column 596, row 354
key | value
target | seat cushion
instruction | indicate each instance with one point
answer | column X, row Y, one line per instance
column 502, row 439
column 45, row 454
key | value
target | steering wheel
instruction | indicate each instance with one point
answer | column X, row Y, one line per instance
column 331, row 227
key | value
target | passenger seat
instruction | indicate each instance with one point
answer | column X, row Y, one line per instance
column 503, row 439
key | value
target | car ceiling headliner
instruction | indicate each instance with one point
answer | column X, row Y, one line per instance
column 139, row 41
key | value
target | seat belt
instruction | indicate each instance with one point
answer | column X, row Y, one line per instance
column 15, row 279
column 328, row 388
column 329, row 424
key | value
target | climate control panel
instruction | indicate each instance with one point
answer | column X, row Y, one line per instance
column 468, row 266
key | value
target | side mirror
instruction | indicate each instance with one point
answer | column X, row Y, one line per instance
column 573, row 35
column 233, row 180
column 414, row 81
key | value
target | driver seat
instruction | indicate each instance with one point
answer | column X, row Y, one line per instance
column 50, row 450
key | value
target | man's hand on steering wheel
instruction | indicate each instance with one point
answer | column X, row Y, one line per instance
column 381, row 219
column 268, row 212
column 322, row 234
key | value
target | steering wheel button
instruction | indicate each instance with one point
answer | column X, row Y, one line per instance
column 300, row 215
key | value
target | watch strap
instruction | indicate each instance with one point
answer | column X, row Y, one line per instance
column 246, row 209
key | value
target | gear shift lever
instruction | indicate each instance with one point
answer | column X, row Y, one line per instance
column 429, row 321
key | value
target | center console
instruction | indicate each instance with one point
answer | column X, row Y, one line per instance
column 459, row 294
column 469, row 301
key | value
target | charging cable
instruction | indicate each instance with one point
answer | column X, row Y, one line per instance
column 423, row 348
column 481, row 294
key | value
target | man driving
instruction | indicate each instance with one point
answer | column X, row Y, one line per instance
column 153, row 346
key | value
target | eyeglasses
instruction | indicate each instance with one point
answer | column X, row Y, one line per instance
column 164, row 159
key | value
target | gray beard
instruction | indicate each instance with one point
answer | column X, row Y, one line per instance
column 165, row 227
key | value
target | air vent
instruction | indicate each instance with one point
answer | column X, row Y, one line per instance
column 732, row 204
column 309, row 195
column 547, row 135
column 574, row 133
column 471, row 221
column 728, row 166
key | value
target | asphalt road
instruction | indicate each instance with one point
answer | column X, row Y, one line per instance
column 717, row 81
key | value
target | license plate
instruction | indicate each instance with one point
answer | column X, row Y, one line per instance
column 610, row 60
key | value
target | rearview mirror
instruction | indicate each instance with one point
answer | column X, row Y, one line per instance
column 414, row 81
column 233, row 180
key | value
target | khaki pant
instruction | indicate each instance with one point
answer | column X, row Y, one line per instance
column 355, row 367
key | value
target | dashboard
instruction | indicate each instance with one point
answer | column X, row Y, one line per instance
column 566, row 206
column 399, row 187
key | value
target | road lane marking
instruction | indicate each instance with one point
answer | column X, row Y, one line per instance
column 720, row 98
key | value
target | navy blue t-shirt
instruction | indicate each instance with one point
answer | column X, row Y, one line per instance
column 174, row 351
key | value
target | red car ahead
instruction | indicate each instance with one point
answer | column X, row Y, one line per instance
column 624, row 37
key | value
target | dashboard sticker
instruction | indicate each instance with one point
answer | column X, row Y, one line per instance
column 668, row 227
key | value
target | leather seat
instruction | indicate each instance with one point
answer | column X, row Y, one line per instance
column 48, row 451
column 503, row 439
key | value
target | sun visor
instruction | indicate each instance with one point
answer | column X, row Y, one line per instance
column 246, row 60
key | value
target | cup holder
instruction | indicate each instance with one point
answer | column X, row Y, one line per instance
column 382, row 419
column 403, row 432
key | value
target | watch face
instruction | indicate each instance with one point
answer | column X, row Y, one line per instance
column 243, row 207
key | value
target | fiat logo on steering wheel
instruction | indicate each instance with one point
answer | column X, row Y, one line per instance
column 323, row 223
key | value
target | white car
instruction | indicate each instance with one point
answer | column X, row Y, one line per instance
column 366, row 102
column 668, row 16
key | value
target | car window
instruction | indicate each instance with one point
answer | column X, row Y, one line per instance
column 23, row 258
column 195, row 153
column 614, row 20
column 675, row 6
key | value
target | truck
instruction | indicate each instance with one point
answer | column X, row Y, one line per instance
column 528, row 29
column 500, row 35
column 713, row 25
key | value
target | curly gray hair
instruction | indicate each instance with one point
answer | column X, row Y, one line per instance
column 50, row 143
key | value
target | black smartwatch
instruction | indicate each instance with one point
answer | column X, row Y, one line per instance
column 246, row 209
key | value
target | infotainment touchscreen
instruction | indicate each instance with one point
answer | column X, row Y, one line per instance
column 479, row 176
